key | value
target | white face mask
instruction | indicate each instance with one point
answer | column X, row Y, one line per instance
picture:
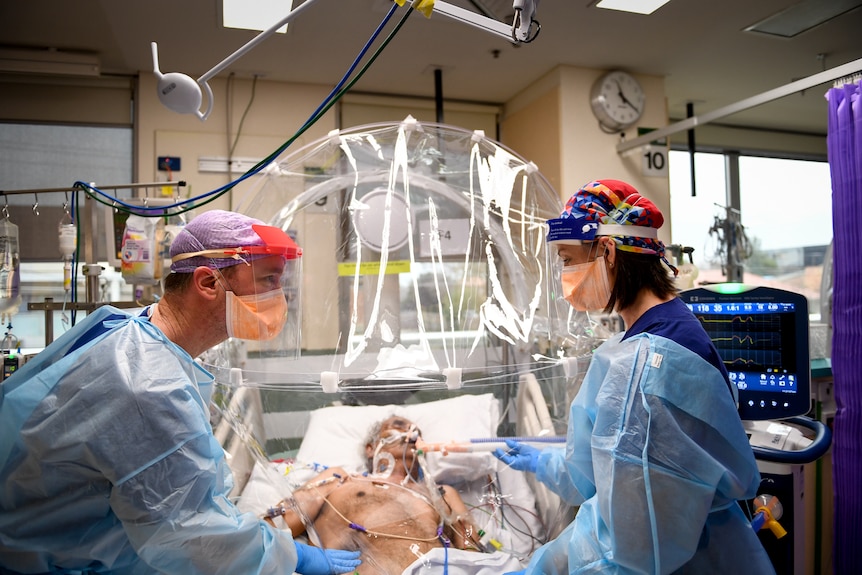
column 258, row 317
column 586, row 285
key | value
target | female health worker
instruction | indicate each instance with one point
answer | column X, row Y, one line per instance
column 656, row 457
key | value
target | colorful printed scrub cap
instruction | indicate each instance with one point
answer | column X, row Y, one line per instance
column 218, row 239
column 610, row 208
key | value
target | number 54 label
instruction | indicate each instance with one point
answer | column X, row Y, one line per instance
column 448, row 237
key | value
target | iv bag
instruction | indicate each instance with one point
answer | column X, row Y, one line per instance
column 140, row 263
column 10, row 297
column 68, row 237
column 687, row 273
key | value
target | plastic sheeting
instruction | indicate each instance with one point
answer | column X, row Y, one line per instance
column 424, row 263
column 426, row 278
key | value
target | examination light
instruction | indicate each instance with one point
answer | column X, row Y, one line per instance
column 184, row 95
column 179, row 92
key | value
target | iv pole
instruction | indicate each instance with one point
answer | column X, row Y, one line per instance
column 92, row 271
column 730, row 227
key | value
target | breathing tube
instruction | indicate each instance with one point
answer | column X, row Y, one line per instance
column 483, row 444
column 387, row 459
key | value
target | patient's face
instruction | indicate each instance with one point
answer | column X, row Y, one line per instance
column 398, row 437
column 398, row 427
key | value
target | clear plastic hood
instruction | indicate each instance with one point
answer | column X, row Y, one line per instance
column 424, row 263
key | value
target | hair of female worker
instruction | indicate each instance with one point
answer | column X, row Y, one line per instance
column 615, row 209
column 636, row 272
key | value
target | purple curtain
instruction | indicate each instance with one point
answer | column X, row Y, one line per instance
column 844, row 143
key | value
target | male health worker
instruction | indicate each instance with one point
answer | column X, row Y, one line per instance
column 108, row 462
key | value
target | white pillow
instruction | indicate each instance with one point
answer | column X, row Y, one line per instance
column 336, row 435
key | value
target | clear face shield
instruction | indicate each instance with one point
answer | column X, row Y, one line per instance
column 584, row 281
column 262, row 291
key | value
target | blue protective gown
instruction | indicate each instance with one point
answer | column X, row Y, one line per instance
column 108, row 462
column 656, row 458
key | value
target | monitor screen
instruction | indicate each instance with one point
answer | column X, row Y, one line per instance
column 762, row 336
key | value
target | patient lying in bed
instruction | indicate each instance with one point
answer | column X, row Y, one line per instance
column 395, row 514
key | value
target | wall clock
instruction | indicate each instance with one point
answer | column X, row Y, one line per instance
column 617, row 101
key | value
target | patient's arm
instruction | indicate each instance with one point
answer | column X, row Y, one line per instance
column 310, row 499
column 461, row 531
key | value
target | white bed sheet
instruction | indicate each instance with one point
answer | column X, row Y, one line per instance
column 458, row 562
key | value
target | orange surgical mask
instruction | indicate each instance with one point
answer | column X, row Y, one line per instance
column 258, row 317
column 586, row 285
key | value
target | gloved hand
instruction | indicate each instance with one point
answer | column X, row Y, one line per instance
column 521, row 572
column 315, row 561
column 519, row 456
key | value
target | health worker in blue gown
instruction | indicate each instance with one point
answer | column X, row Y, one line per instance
column 656, row 457
column 108, row 462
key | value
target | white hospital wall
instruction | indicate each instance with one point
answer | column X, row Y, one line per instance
column 551, row 124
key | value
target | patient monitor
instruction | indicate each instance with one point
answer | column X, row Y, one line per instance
column 762, row 336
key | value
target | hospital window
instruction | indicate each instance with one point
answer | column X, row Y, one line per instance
column 41, row 156
column 785, row 214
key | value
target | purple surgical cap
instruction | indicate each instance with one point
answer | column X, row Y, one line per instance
column 215, row 230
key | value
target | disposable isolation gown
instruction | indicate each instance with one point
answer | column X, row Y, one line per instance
column 108, row 462
column 656, row 458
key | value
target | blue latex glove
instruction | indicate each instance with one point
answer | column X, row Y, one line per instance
column 519, row 456
column 521, row 572
column 315, row 561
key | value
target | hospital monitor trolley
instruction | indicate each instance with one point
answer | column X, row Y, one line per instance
column 762, row 336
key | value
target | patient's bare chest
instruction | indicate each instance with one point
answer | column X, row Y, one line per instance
column 396, row 522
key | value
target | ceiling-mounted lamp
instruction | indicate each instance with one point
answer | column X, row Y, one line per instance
column 184, row 95
column 48, row 61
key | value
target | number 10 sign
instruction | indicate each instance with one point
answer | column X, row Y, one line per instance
column 654, row 161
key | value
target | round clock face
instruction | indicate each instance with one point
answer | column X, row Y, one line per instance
column 617, row 100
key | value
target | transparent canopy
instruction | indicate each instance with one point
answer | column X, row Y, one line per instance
column 427, row 293
column 424, row 264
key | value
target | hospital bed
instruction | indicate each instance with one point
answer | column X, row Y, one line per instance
column 515, row 512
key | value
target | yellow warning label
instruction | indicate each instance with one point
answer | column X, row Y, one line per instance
column 373, row 268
